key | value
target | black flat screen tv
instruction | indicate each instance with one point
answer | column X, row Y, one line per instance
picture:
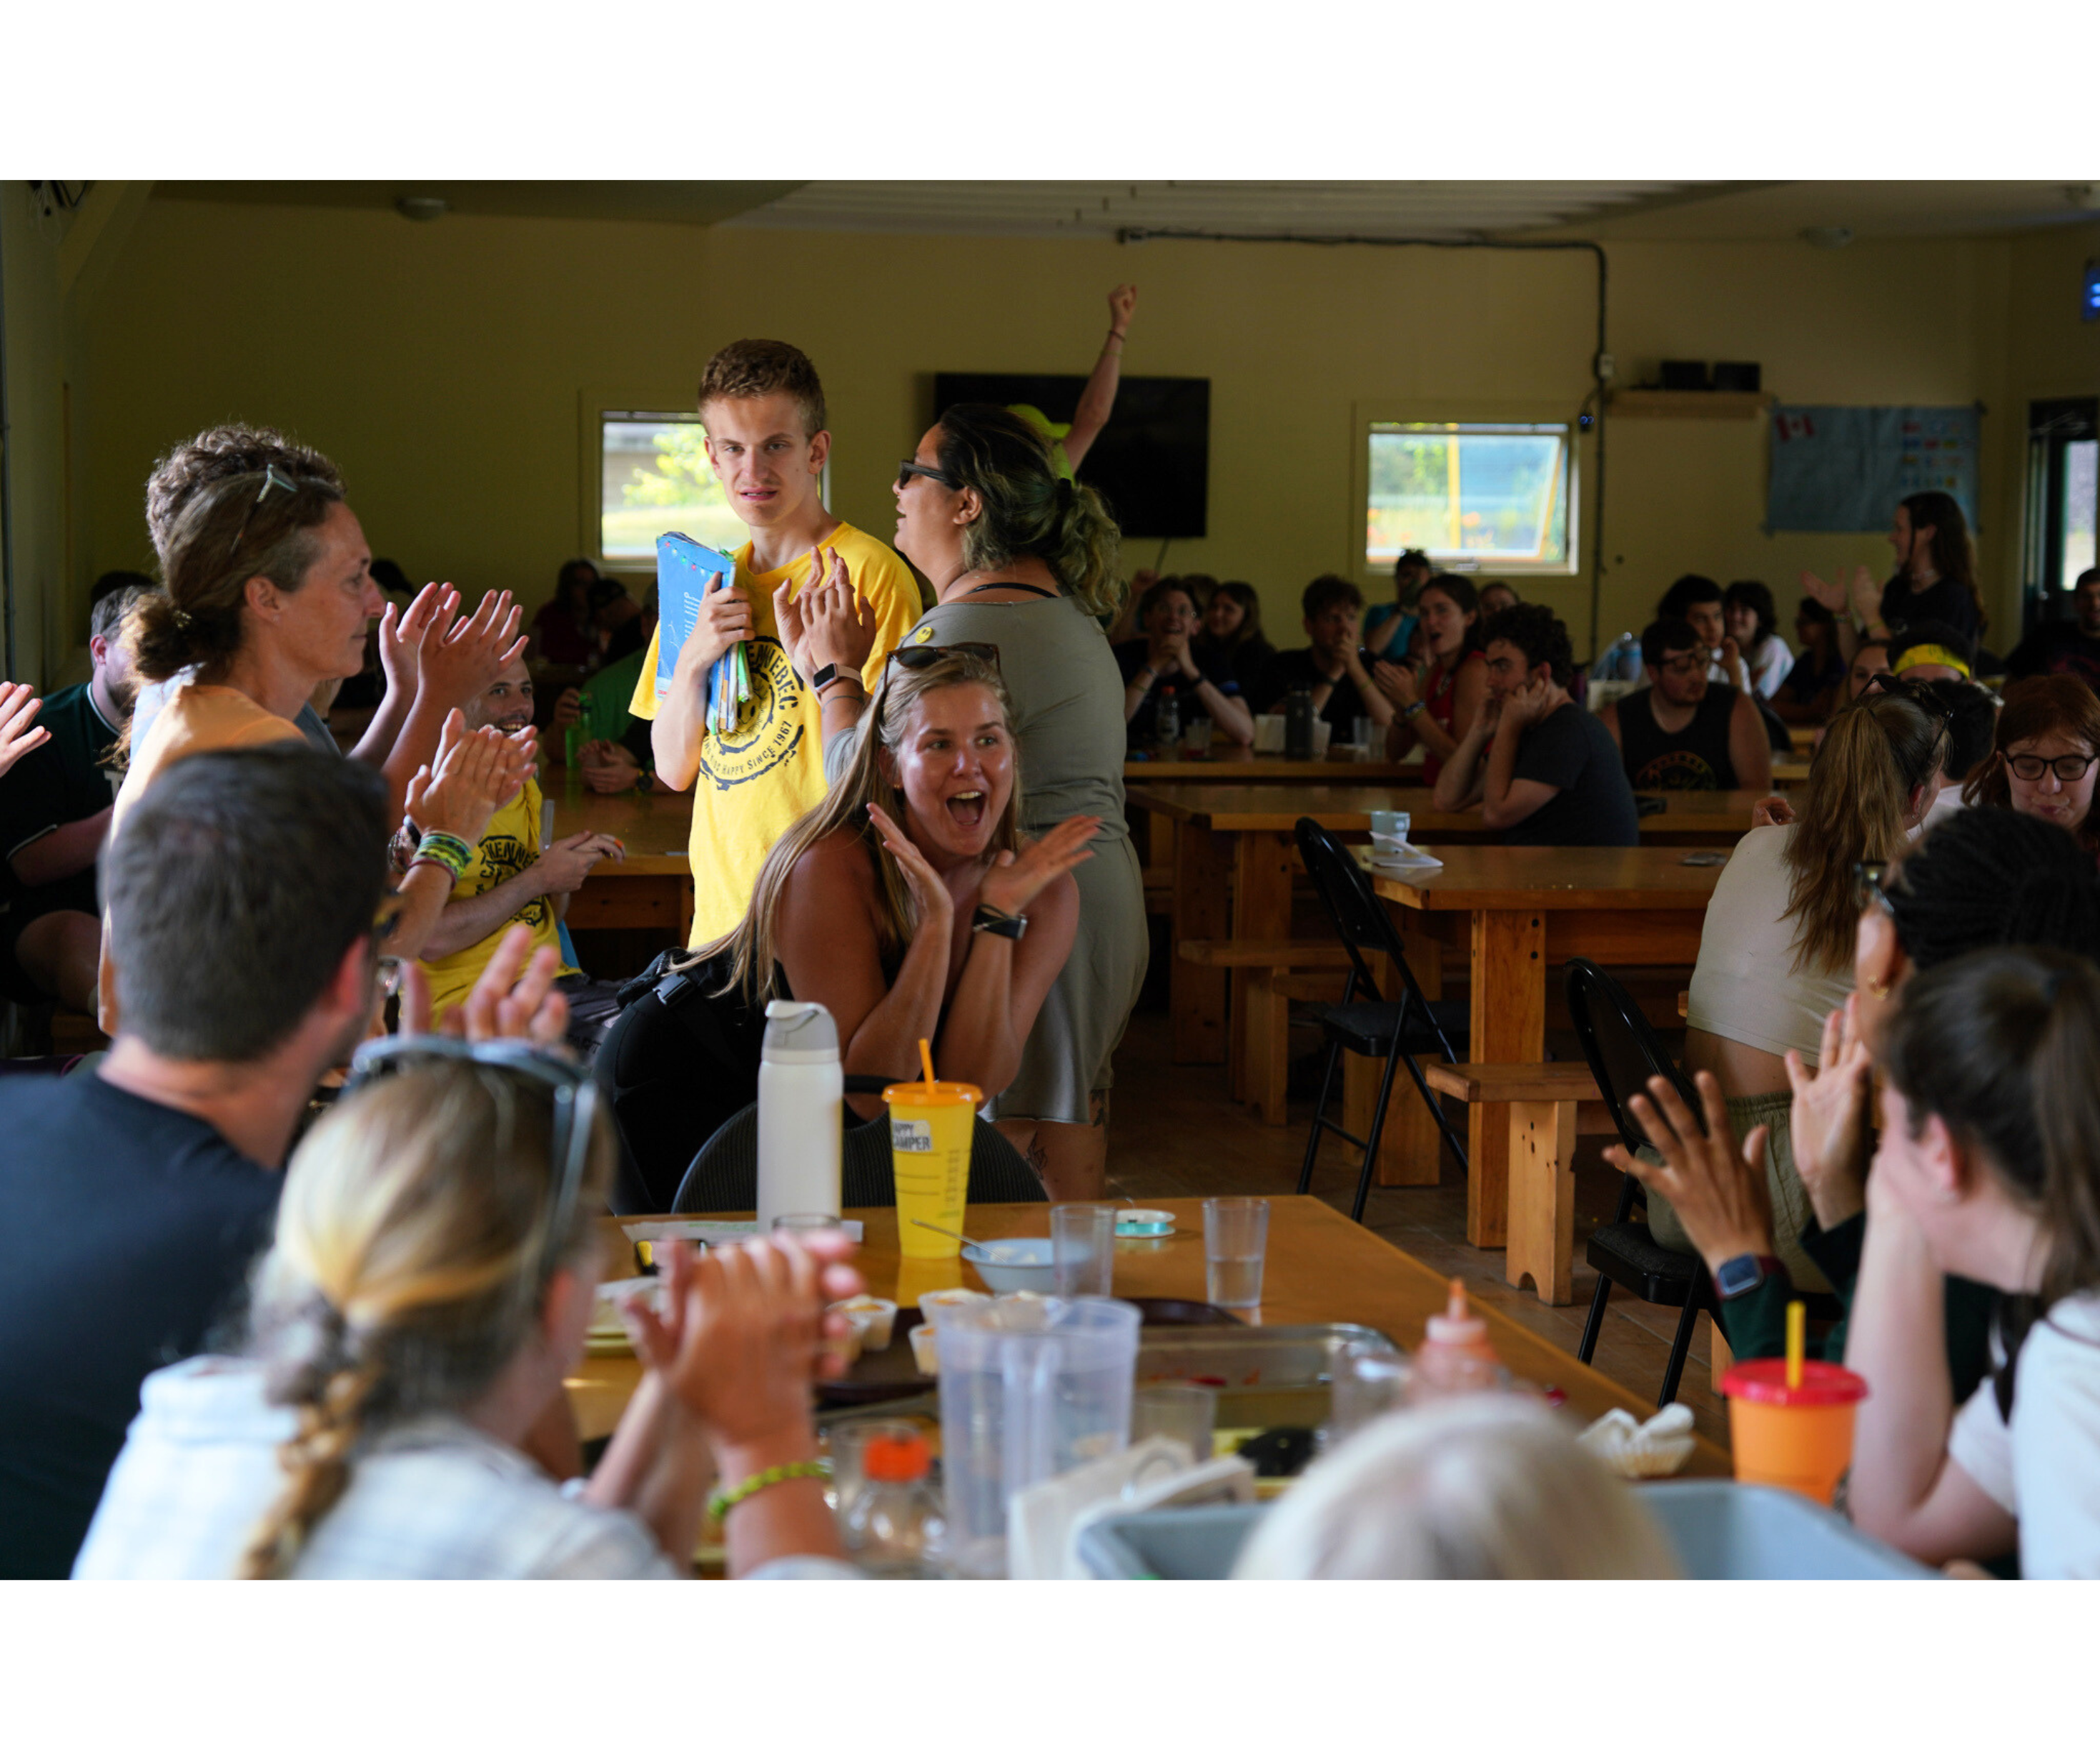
column 1152, row 462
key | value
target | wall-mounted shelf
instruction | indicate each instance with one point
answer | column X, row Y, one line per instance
column 1719, row 406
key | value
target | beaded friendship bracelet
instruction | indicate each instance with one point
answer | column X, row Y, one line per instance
column 452, row 853
column 723, row 1501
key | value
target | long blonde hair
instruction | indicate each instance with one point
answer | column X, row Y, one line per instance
column 751, row 946
column 409, row 1266
column 1880, row 750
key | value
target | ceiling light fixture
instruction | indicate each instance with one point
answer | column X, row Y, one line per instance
column 422, row 207
column 1828, row 237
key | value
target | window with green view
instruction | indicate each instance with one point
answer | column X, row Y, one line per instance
column 1476, row 492
column 655, row 479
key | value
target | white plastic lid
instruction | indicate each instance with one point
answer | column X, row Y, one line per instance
column 801, row 1031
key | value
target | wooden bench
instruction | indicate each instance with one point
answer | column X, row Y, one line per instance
column 1262, row 1074
column 1551, row 1104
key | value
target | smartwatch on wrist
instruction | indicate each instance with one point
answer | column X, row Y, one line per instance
column 824, row 675
column 1744, row 1274
column 988, row 920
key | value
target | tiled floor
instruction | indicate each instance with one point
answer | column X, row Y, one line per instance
column 1175, row 1133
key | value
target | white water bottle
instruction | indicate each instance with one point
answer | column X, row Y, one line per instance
column 801, row 1089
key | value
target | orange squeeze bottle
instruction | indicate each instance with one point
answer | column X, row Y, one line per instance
column 1455, row 1356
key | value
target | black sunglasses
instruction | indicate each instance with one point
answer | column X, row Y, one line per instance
column 918, row 659
column 575, row 1095
column 909, row 468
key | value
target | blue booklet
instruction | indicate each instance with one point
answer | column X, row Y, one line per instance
column 686, row 572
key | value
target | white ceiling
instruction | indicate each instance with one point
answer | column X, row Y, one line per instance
column 1453, row 210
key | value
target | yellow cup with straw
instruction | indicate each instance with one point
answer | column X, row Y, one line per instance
column 1790, row 1419
column 930, row 1124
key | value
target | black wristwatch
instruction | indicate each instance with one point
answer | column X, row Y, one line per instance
column 998, row 922
column 824, row 675
column 1743, row 1273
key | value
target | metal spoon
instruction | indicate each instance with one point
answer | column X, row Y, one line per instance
column 950, row 1233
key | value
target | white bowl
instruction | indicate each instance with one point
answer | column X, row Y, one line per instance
column 1010, row 1267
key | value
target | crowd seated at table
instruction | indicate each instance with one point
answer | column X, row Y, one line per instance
column 328, row 1241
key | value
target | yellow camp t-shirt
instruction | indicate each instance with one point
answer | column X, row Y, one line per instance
column 757, row 780
column 508, row 847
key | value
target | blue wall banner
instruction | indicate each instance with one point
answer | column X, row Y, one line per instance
column 1835, row 468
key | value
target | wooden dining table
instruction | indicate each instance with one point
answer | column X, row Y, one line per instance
column 1320, row 1268
column 1521, row 912
column 1246, row 835
column 652, row 887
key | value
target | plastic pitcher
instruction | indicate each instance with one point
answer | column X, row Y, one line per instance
column 1028, row 1390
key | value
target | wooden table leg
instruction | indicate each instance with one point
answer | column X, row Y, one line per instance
column 1197, row 993
column 1509, row 1026
column 1261, row 911
column 1541, row 1198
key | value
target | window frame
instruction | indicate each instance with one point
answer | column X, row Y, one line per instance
column 594, row 408
column 2054, row 425
column 1462, row 412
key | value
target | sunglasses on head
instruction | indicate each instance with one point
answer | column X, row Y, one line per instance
column 573, row 1093
column 907, row 468
column 920, row 659
column 272, row 478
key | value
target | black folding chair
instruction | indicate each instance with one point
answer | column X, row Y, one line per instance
column 724, row 1175
column 1363, row 1022
column 1623, row 1053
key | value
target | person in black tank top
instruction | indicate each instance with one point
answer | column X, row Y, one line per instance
column 1684, row 732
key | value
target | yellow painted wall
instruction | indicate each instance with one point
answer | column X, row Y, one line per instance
column 35, row 455
column 443, row 365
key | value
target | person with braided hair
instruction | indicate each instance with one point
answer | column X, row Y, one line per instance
column 1986, row 878
column 431, row 1283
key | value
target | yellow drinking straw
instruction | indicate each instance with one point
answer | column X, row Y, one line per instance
column 926, row 1063
column 1796, row 1340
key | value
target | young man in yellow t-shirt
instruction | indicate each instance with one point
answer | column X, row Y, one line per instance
column 512, row 880
column 763, row 408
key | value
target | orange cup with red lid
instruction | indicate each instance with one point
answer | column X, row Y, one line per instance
column 1798, row 1438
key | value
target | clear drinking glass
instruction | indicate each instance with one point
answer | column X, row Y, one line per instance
column 1083, row 1248
column 1362, row 733
column 1196, row 737
column 1365, row 1381
column 1235, row 1241
column 847, row 1441
column 1184, row 1412
column 803, row 1221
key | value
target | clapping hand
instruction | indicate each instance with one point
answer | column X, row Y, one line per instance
column 1866, row 595
column 1719, row 1191
column 19, row 707
column 1395, row 683
column 1014, row 881
column 514, row 998
column 1831, row 1108
column 476, row 774
column 1830, row 594
column 829, row 623
column 929, row 892
column 402, row 634
column 459, row 665
column 746, row 1329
